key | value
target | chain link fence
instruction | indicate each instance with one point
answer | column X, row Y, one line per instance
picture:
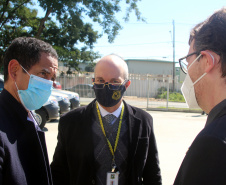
column 153, row 92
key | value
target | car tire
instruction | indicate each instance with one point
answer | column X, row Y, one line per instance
column 41, row 117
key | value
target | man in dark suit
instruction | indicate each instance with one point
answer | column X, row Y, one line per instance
column 29, row 68
column 108, row 141
column 205, row 87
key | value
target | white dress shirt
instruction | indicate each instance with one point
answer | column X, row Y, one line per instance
column 116, row 113
column 30, row 117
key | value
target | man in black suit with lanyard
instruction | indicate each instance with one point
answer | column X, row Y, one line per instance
column 107, row 142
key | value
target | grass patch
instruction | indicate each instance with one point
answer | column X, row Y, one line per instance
column 173, row 97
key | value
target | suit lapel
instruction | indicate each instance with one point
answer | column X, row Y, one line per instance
column 46, row 158
column 88, row 115
column 134, row 125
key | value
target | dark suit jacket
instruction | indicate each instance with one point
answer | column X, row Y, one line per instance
column 73, row 161
column 205, row 161
column 23, row 154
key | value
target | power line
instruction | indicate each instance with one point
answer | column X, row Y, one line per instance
column 161, row 23
column 168, row 42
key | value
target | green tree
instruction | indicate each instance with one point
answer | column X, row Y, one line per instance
column 16, row 20
column 63, row 24
column 90, row 67
column 100, row 11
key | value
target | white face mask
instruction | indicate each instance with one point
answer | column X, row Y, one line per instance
column 188, row 92
column 188, row 89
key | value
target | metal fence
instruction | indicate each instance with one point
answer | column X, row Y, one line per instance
column 144, row 89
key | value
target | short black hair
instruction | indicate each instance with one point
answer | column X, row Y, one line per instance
column 211, row 35
column 27, row 51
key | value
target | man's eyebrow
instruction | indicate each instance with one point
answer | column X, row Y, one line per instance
column 115, row 79
column 46, row 70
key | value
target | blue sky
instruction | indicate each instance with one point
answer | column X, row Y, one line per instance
column 153, row 40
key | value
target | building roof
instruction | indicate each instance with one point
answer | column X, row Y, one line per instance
column 150, row 60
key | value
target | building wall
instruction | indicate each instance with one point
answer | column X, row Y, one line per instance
column 152, row 67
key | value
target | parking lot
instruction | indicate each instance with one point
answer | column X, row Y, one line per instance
column 174, row 133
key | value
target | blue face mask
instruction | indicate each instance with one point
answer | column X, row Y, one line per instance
column 37, row 93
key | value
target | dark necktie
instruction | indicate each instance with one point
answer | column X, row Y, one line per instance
column 109, row 118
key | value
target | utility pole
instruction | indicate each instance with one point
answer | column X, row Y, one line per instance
column 173, row 55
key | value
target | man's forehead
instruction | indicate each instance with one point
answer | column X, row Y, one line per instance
column 113, row 78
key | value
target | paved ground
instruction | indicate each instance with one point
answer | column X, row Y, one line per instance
column 174, row 133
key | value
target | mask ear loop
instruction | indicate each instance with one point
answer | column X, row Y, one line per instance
column 204, row 73
column 199, row 78
column 195, row 60
column 25, row 70
column 211, row 56
column 16, row 86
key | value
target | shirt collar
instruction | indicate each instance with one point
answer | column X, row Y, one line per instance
column 31, row 118
column 218, row 111
column 116, row 113
column 13, row 105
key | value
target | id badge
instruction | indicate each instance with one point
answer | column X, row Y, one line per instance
column 112, row 178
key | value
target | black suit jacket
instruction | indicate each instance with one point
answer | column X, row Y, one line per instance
column 23, row 154
column 73, row 161
column 205, row 161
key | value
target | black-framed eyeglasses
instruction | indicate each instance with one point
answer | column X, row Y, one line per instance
column 111, row 86
column 183, row 62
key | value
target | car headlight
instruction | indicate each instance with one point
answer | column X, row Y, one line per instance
column 77, row 97
column 59, row 98
column 66, row 99
column 55, row 102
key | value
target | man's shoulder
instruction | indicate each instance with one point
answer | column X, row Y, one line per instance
column 138, row 111
column 78, row 114
column 216, row 128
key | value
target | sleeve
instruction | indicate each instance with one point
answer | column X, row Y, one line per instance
column 59, row 165
column 151, row 173
column 205, row 163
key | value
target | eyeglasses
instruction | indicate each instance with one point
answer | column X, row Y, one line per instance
column 111, row 86
column 183, row 62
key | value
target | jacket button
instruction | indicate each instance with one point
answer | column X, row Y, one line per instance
column 93, row 181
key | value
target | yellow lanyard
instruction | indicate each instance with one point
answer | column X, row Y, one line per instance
column 118, row 133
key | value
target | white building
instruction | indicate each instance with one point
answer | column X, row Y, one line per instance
column 154, row 67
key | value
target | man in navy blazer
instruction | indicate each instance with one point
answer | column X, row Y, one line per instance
column 107, row 137
column 29, row 66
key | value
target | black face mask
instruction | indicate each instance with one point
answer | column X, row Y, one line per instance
column 109, row 98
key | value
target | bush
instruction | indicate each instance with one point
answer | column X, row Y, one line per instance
column 174, row 97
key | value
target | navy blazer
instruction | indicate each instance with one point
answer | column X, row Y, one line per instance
column 73, row 161
column 23, row 153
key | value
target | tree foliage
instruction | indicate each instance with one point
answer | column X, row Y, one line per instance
column 63, row 24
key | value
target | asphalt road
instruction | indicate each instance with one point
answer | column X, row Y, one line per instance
column 174, row 133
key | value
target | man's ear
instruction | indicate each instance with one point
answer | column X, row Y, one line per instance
column 127, row 84
column 13, row 68
column 210, row 60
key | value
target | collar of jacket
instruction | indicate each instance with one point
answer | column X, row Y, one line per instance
column 218, row 111
column 13, row 106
